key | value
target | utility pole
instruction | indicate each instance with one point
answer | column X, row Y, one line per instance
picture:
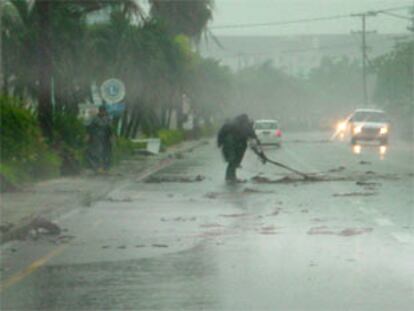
column 411, row 29
column 364, row 49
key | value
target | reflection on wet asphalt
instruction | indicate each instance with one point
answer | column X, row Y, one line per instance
column 187, row 241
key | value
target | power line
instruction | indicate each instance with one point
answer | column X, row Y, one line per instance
column 298, row 21
column 328, row 47
column 308, row 20
column 396, row 15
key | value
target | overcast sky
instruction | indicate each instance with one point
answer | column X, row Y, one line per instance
column 234, row 12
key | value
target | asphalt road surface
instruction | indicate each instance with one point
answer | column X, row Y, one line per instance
column 184, row 240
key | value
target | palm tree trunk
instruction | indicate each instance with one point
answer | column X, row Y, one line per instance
column 45, row 68
column 135, row 124
column 1, row 49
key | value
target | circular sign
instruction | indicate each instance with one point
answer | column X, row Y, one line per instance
column 113, row 91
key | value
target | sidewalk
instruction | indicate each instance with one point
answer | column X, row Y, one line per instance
column 52, row 198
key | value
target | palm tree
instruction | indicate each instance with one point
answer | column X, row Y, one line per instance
column 40, row 20
column 184, row 17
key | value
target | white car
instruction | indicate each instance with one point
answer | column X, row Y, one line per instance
column 268, row 132
column 369, row 125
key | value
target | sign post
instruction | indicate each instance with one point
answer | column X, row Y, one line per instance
column 113, row 92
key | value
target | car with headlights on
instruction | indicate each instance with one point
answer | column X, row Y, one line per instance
column 369, row 125
column 268, row 132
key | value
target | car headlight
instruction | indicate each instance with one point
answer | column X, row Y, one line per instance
column 341, row 126
column 357, row 129
column 383, row 130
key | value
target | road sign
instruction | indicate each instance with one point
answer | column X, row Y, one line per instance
column 116, row 110
column 113, row 91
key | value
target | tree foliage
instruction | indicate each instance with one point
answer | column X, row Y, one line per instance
column 185, row 17
column 54, row 54
column 395, row 84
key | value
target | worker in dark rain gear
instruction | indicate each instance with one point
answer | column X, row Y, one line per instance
column 233, row 139
column 100, row 141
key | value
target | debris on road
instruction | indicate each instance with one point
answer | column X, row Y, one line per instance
column 362, row 162
column 172, row 179
column 34, row 229
column 276, row 211
column 118, row 200
column 63, row 239
column 234, row 215
column 367, row 183
column 320, row 230
column 211, row 226
column 318, row 220
column 251, row 190
column 355, row 194
column 180, row 219
column 212, row 195
column 289, row 179
column 268, row 230
column 43, row 226
column 355, row 231
column 324, row 230
column 337, row 169
column 160, row 245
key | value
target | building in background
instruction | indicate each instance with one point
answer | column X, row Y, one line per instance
column 295, row 54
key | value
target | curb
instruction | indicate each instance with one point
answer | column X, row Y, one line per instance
column 20, row 230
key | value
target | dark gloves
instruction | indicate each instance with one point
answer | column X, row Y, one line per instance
column 257, row 149
column 262, row 157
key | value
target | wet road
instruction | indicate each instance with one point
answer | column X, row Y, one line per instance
column 187, row 241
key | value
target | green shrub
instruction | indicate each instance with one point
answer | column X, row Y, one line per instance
column 24, row 154
column 69, row 142
column 170, row 137
column 20, row 134
column 11, row 176
column 122, row 149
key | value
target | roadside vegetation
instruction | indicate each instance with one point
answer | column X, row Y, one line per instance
column 54, row 51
